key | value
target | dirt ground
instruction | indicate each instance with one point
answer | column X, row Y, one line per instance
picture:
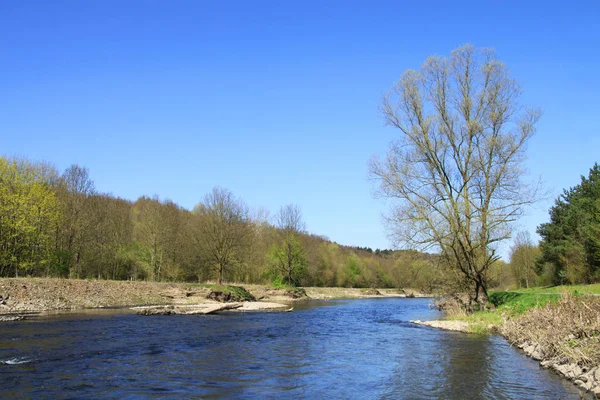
column 21, row 295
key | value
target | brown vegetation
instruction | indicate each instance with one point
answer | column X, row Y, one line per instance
column 566, row 332
column 564, row 336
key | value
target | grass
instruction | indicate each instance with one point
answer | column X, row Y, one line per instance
column 481, row 322
column 516, row 303
column 507, row 305
column 512, row 304
column 575, row 289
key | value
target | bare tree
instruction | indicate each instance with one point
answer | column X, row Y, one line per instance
column 224, row 231
column 522, row 258
column 77, row 188
column 289, row 219
column 157, row 224
column 455, row 176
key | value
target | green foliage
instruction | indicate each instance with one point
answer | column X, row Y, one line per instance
column 29, row 216
column 352, row 276
column 382, row 278
column 278, row 283
column 288, row 260
column 571, row 240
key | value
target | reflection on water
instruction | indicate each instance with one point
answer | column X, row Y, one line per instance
column 341, row 349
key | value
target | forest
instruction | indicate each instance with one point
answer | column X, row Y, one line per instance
column 55, row 224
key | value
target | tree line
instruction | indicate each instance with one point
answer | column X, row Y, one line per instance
column 56, row 224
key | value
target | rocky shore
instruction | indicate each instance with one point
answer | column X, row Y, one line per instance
column 585, row 377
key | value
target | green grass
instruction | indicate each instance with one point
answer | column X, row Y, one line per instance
column 279, row 284
column 584, row 289
column 507, row 305
column 481, row 321
column 516, row 303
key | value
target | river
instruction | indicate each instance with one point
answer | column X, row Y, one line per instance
column 363, row 349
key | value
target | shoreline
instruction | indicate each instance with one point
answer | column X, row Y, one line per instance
column 587, row 379
column 21, row 298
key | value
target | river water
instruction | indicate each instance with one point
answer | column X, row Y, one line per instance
column 362, row 349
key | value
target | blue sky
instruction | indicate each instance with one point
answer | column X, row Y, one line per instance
column 275, row 100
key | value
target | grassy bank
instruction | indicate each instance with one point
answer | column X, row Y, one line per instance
column 507, row 305
column 573, row 289
column 512, row 304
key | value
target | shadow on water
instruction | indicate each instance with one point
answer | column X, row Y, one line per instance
column 338, row 349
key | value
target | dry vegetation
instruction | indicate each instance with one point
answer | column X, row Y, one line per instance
column 574, row 336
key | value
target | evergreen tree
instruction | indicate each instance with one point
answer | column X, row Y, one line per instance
column 571, row 240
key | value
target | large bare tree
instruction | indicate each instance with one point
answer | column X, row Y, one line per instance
column 455, row 174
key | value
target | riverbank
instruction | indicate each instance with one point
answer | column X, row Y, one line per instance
column 31, row 295
column 562, row 331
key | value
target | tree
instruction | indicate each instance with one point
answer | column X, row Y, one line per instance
column 571, row 240
column 157, row 227
column 455, row 176
column 29, row 216
column 111, row 235
column 75, row 191
column 289, row 220
column 289, row 257
column 224, row 231
column 523, row 254
column 289, row 260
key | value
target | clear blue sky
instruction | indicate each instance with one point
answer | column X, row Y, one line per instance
column 276, row 101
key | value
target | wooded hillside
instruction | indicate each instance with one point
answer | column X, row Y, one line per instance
column 57, row 225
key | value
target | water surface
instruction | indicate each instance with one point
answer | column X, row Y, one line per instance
column 363, row 349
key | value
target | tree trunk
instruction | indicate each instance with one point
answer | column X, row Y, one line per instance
column 219, row 274
column 480, row 295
